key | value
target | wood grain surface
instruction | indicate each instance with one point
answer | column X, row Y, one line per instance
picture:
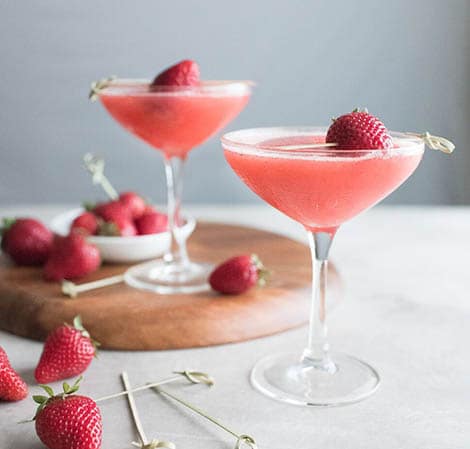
column 121, row 317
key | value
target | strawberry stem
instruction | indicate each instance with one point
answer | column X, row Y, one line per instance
column 68, row 390
column 7, row 223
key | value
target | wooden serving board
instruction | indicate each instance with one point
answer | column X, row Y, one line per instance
column 121, row 317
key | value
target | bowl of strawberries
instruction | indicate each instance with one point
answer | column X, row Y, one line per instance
column 125, row 230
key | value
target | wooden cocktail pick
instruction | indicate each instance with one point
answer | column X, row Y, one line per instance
column 72, row 290
column 95, row 166
column 240, row 438
column 431, row 141
column 195, row 377
column 144, row 443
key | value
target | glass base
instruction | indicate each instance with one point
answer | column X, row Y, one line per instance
column 287, row 378
column 169, row 278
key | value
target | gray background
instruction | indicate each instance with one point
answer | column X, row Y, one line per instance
column 408, row 62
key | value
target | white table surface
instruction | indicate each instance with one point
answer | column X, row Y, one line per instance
column 406, row 311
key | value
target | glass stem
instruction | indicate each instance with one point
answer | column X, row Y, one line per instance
column 316, row 354
column 177, row 253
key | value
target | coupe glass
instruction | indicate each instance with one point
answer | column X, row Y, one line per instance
column 173, row 120
column 320, row 187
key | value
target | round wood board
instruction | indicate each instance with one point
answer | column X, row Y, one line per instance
column 120, row 317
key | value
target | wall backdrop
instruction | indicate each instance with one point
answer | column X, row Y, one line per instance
column 408, row 62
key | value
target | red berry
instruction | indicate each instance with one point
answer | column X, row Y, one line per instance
column 237, row 275
column 26, row 241
column 87, row 223
column 12, row 386
column 185, row 73
column 119, row 227
column 112, row 210
column 359, row 131
column 134, row 203
column 68, row 351
column 68, row 421
column 151, row 223
column 72, row 257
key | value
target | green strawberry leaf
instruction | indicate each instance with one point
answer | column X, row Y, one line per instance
column 48, row 390
column 39, row 399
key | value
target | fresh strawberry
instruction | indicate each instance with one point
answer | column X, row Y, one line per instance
column 86, row 223
column 150, row 209
column 12, row 386
column 238, row 274
column 68, row 351
column 119, row 227
column 111, row 211
column 134, row 203
column 26, row 241
column 67, row 420
column 151, row 223
column 72, row 257
column 185, row 73
column 359, row 131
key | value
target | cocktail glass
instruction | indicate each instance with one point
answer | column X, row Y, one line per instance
column 173, row 120
column 321, row 188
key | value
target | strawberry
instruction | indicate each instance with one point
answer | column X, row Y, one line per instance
column 72, row 257
column 26, row 241
column 68, row 351
column 238, row 274
column 112, row 210
column 120, row 226
column 151, row 223
column 67, row 420
column 87, row 223
column 359, row 130
column 12, row 386
column 185, row 73
column 134, row 203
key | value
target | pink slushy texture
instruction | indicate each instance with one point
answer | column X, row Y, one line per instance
column 321, row 192
column 173, row 124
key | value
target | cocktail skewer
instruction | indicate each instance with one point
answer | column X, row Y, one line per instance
column 72, row 290
column 241, row 438
column 431, row 141
column 144, row 441
column 195, row 377
column 95, row 166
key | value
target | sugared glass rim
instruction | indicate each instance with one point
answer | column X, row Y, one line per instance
column 250, row 141
column 128, row 87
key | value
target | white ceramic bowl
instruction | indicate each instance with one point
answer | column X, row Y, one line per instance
column 123, row 249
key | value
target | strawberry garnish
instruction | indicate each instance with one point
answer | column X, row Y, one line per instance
column 26, row 241
column 359, row 130
column 68, row 351
column 67, row 420
column 185, row 73
column 238, row 274
column 71, row 257
column 12, row 386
